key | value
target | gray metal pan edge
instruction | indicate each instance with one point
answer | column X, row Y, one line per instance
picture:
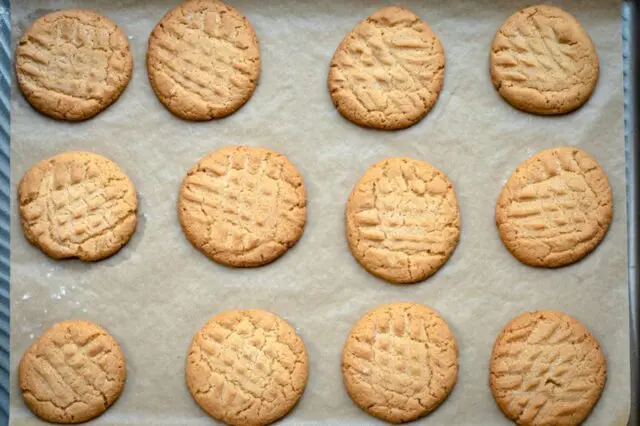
column 5, row 108
column 630, row 32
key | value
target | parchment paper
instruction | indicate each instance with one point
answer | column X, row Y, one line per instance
column 158, row 291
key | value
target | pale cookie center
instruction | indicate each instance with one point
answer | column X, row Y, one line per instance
column 72, row 58
column 247, row 365
column 410, row 223
column 76, row 204
column 404, row 366
column 560, row 212
column 390, row 69
column 545, row 370
column 207, row 54
column 71, row 374
column 243, row 206
column 542, row 53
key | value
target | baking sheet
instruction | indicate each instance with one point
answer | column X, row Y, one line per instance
column 155, row 293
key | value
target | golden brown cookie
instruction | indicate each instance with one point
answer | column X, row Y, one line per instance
column 543, row 61
column 388, row 72
column 74, row 372
column 400, row 362
column 243, row 206
column 246, row 368
column 555, row 208
column 402, row 220
column 72, row 64
column 77, row 204
column 546, row 369
column 203, row 60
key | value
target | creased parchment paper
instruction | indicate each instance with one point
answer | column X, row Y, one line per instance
column 158, row 291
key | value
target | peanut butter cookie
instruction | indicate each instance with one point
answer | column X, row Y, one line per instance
column 402, row 220
column 243, row 206
column 247, row 368
column 72, row 64
column 546, row 369
column 543, row 61
column 388, row 72
column 73, row 373
column 555, row 208
column 77, row 204
column 203, row 60
column 400, row 362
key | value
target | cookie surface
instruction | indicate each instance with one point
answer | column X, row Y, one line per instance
column 546, row 369
column 72, row 64
column 555, row 208
column 74, row 372
column 246, row 367
column 243, row 206
column 388, row 72
column 403, row 220
column 203, row 60
column 77, row 204
column 400, row 362
column 543, row 61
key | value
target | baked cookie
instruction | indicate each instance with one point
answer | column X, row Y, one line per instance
column 543, row 61
column 203, row 60
column 402, row 220
column 555, row 208
column 246, row 368
column 243, row 206
column 388, row 72
column 72, row 64
column 77, row 204
column 546, row 369
column 74, row 372
column 400, row 362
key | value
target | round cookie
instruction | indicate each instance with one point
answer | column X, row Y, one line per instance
column 542, row 61
column 555, row 208
column 203, row 60
column 77, row 204
column 243, row 206
column 388, row 72
column 72, row 64
column 73, row 373
column 402, row 220
column 400, row 362
column 546, row 369
column 246, row 368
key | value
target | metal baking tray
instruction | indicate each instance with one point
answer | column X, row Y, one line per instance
column 631, row 33
column 631, row 57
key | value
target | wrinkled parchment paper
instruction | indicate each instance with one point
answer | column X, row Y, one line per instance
column 158, row 291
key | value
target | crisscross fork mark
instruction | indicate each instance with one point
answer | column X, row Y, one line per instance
column 377, row 372
column 70, row 375
column 216, row 211
column 225, row 371
column 554, row 342
column 29, row 41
